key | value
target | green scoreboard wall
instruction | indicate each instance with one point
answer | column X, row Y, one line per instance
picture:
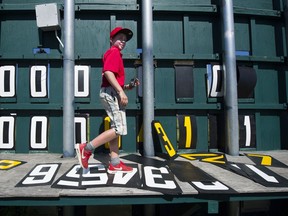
column 188, row 72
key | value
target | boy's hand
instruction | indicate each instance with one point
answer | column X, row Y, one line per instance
column 123, row 98
column 133, row 83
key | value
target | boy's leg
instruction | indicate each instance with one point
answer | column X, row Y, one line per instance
column 84, row 150
column 116, row 165
column 104, row 137
column 114, row 149
column 114, row 152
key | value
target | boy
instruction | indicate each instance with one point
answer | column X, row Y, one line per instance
column 114, row 100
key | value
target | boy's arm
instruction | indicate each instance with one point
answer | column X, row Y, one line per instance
column 113, row 82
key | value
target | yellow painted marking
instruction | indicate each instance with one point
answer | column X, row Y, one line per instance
column 10, row 164
column 167, row 144
column 193, row 156
column 140, row 135
column 189, row 133
column 215, row 159
column 266, row 159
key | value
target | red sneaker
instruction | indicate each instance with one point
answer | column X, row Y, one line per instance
column 121, row 167
column 82, row 154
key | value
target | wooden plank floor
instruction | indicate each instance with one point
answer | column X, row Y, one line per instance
column 242, row 185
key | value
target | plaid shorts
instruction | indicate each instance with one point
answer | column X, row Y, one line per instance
column 116, row 112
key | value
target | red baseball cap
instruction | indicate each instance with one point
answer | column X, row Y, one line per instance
column 119, row 29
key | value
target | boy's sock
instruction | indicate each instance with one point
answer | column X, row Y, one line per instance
column 89, row 147
column 115, row 161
